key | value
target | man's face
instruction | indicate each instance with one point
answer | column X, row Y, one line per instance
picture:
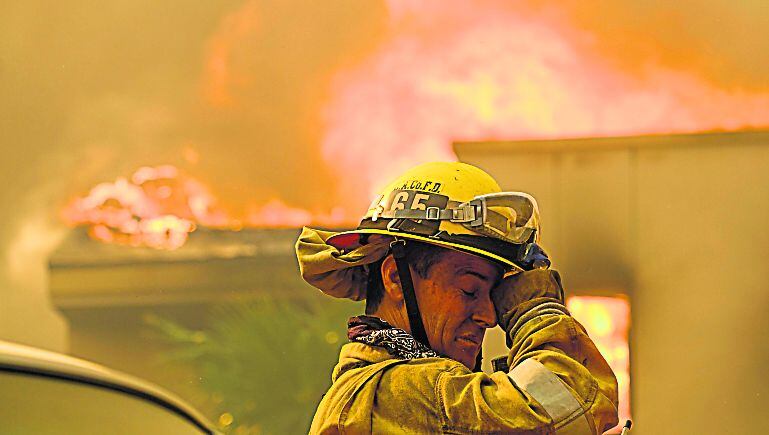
column 455, row 304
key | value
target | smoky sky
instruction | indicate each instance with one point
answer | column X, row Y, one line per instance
column 90, row 91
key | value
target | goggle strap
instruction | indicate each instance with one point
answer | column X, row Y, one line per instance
column 460, row 213
column 493, row 224
column 430, row 214
column 471, row 213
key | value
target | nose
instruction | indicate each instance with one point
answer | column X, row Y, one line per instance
column 484, row 313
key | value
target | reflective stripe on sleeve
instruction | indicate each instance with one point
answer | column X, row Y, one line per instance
column 547, row 389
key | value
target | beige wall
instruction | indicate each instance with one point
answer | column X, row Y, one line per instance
column 679, row 223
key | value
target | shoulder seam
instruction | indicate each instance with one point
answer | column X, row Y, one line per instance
column 441, row 401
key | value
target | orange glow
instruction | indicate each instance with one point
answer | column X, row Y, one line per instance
column 159, row 206
column 221, row 80
column 607, row 321
column 275, row 213
column 503, row 70
column 441, row 71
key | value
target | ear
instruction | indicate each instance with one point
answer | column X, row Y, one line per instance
column 391, row 280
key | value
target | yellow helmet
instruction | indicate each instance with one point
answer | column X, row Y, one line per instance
column 453, row 205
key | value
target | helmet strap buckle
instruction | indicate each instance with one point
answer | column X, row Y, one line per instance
column 478, row 207
column 433, row 213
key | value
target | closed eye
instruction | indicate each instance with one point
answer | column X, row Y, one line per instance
column 468, row 293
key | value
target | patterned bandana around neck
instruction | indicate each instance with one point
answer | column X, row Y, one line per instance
column 376, row 332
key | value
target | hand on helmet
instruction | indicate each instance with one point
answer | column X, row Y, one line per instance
column 534, row 257
column 527, row 285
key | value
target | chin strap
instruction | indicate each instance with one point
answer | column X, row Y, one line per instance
column 398, row 248
column 478, row 361
column 409, row 297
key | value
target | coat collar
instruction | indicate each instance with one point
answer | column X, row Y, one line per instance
column 355, row 355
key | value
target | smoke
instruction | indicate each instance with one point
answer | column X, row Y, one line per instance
column 89, row 92
column 719, row 41
column 316, row 103
column 452, row 70
column 266, row 74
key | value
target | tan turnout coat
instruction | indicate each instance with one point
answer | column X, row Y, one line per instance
column 559, row 384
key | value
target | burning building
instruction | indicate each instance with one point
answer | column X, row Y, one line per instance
column 676, row 226
column 631, row 223
column 267, row 116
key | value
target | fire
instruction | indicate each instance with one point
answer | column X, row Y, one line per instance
column 221, row 80
column 442, row 71
column 159, row 206
column 275, row 213
column 607, row 320
column 503, row 70
column 155, row 207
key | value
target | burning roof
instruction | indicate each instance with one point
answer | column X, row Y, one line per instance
column 159, row 206
column 305, row 129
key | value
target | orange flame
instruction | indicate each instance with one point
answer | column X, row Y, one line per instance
column 607, row 321
column 221, row 80
column 493, row 70
column 159, row 206
column 444, row 71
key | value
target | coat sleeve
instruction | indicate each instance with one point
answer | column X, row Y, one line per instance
column 559, row 382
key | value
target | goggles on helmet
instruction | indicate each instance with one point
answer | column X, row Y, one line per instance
column 509, row 216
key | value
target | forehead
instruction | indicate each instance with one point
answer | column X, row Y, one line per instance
column 462, row 263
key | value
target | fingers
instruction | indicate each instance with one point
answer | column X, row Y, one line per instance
column 534, row 257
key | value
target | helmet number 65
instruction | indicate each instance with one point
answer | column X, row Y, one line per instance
column 418, row 201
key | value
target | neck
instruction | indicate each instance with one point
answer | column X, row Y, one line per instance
column 393, row 316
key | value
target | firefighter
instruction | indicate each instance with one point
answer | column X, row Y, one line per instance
column 441, row 256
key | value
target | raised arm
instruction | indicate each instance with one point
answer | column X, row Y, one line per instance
column 559, row 382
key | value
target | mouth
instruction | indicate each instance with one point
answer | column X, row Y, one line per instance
column 470, row 339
